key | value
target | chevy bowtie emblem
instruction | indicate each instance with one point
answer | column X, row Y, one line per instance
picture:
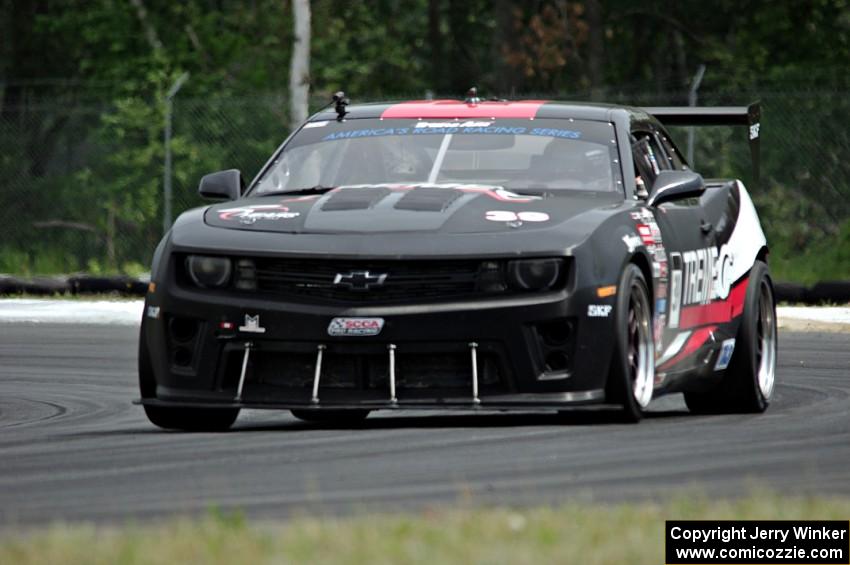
column 359, row 280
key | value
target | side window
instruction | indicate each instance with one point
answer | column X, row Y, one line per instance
column 648, row 156
column 677, row 163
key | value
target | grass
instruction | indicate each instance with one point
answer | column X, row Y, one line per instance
column 573, row 533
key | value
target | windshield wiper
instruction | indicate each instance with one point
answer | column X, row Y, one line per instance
column 318, row 189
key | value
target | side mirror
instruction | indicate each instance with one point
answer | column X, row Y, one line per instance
column 674, row 185
column 225, row 185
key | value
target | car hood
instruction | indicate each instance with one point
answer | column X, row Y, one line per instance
column 395, row 208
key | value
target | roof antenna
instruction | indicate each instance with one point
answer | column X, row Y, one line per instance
column 472, row 96
column 340, row 102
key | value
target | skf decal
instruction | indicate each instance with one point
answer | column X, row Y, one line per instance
column 355, row 326
column 508, row 216
column 598, row 310
column 251, row 214
column 252, row 325
column 725, row 356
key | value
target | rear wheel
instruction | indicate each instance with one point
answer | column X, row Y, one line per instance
column 632, row 375
column 748, row 382
column 331, row 416
column 174, row 418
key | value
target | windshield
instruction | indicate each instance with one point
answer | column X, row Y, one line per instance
column 553, row 154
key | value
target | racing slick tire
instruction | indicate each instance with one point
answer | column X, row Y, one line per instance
column 331, row 416
column 747, row 385
column 174, row 418
column 632, row 374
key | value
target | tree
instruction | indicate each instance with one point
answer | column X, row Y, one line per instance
column 299, row 70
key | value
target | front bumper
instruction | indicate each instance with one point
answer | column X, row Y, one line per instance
column 508, row 353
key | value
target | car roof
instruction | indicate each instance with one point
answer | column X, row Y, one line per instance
column 486, row 109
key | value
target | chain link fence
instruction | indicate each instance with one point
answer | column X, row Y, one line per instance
column 82, row 184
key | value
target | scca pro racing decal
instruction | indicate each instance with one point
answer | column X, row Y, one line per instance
column 355, row 326
column 251, row 214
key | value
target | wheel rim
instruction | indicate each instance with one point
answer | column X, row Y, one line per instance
column 640, row 347
column 766, row 341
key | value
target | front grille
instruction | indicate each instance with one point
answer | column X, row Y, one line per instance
column 367, row 281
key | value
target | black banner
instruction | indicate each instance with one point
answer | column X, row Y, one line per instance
column 811, row 542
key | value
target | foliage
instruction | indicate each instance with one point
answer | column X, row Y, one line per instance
column 83, row 85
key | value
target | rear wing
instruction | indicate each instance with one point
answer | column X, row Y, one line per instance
column 749, row 116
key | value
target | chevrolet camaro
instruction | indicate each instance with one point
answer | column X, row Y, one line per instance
column 448, row 254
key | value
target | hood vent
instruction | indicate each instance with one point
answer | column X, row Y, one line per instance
column 354, row 198
column 428, row 199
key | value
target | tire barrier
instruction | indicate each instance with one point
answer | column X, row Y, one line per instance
column 827, row 292
column 836, row 292
column 72, row 285
column 790, row 292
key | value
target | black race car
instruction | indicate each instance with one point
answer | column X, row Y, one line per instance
column 466, row 255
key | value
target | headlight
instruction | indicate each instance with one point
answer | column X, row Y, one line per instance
column 534, row 274
column 208, row 272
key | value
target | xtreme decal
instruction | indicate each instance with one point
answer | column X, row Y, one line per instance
column 700, row 276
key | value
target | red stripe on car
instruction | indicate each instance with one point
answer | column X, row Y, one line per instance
column 697, row 339
column 453, row 109
column 717, row 312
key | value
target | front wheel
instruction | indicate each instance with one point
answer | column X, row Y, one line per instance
column 174, row 418
column 748, row 382
column 632, row 375
column 192, row 419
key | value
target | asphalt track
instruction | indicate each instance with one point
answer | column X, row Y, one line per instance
column 72, row 447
